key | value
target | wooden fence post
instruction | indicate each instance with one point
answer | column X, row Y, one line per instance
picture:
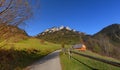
column 69, row 53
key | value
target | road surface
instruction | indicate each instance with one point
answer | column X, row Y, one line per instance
column 49, row 62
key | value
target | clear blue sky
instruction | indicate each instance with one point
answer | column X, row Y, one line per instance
column 88, row 16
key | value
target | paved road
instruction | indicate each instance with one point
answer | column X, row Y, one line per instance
column 49, row 62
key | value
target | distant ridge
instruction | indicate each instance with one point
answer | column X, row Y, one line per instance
column 61, row 34
column 53, row 29
column 112, row 33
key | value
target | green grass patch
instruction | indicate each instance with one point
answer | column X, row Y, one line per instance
column 16, row 56
column 87, row 52
column 83, row 63
column 70, row 64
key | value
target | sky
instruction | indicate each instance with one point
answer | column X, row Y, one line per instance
column 88, row 16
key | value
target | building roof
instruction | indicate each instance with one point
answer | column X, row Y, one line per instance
column 78, row 46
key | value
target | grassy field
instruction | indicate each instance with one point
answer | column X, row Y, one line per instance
column 98, row 55
column 83, row 63
column 16, row 56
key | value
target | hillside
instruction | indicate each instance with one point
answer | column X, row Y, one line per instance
column 23, row 50
column 60, row 35
column 112, row 32
column 106, row 41
column 12, row 33
column 24, row 53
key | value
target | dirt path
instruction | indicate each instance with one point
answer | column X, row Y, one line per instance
column 49, row 62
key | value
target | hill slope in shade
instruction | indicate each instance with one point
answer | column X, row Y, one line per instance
column 111, row 32
column 106, row 42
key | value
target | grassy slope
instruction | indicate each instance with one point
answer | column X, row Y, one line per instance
column 34, row 43
column 98, row 56
column 24, row 53
column 71, row 64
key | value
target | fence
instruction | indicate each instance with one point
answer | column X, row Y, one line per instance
column 95, row 58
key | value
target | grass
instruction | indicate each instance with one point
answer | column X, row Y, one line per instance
column 17, row 59
column 87, row 52
column 83, row 63
column 16, row 56
column 69, row 64
column 33, row 43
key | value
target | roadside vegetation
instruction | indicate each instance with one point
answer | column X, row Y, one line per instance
column 78, row 62
column 16, row 56
column 87, row 52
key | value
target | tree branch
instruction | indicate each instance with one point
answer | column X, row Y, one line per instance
column 6, row 7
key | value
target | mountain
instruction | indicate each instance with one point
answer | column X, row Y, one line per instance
column 61, row 35
column 12, row 33
column 112, row 32
column 106, row 41
column 54, row 29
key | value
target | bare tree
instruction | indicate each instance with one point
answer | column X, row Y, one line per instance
column 13, row 12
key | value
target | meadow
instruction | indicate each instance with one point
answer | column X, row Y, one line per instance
column 78, row 62
column 16, row 56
